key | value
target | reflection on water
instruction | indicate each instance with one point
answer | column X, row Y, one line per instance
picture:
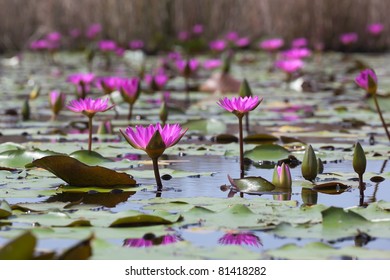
column 150, row 239
column 240, row 238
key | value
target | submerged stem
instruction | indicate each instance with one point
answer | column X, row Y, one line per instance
column 157, row 174
column 381, row 116
column 90, row 134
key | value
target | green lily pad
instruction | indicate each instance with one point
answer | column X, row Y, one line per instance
column 206, row 126
column 5, row 209
column 260, row 138
column 78, row 174
column 89, row 157
column 21, row 157
column 142, row 220
column 80, row 251
column 253, row 185
column 267, row 152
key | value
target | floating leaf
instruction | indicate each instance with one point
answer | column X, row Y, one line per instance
column 21, row 157
column 81, row 251
column 20, row 248
column 267, row 152
column 260, row 138
column 5, row 209
column 206, row 126
column 225, row 138
column 89, row 157
column 78, row 174
column 331, row 188
column 142, row 221
column 252, row 185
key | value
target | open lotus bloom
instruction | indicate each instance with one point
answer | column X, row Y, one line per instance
column 348, row 38
column 240, row 105
column 154, row 139
column 367, row 80
column 150, row 240
column 375, row 29
column 89, row 106
column 272, row 44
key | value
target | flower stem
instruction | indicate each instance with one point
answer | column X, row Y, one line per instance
column 241, row 150
column 381, row 116
column 187, row 90
column 157, row 174
column 247, row 123
column 90, row 134
column 130, row 111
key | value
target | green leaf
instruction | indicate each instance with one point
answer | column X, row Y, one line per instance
column 89, row 157
column 5, row 209
column 267, row 152
column 252, row 185
column 81, row 251
column 141, row 221
column 260, row 138
column 206, row 126
column 21, row 157
column 20, row 248
column 78, row 174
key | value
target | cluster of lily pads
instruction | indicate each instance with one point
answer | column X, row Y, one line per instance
column 157, row 225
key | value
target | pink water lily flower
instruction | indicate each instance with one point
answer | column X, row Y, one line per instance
column 107, row 45
column 182, row 65
column 240, row 105
column 348, row 38
column 362, row 80
column 136, row 44
column 89, row 106
column 272, row 44
column 154, row 139
column 156, row 81
column 130, row 91
column 197, row 29
column 108, row 84
column 93, row 30
column 240, row 238
column 211, row 64
column 298, row 53
column 375, row 29
column 289, row 66
column 141, row 136
column 232, row 36
column 299, row 43
column 82, row 81
column 57, row 102
column 217, row 45
column 242, row 42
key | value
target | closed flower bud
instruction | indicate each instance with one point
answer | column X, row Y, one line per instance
column 309, row 164
column 282, row 177
column 26, row 110
column 359, row 161
column 245, row 89
column 164, row 113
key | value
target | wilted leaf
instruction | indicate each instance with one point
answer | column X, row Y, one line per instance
column 78, row 174
column 331, row 188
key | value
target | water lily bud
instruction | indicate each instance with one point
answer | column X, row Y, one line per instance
column 309, row 164
column 156, row 146
column 164, row 113
column 105, row 127
column 35, row 92
column 26, row 110
column 320, row 166
column 367, row 80
column 359, row 161
column 245, row 89
column 282, row 176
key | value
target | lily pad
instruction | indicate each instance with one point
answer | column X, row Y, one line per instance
column 260, row 138
column 5, row 209
column 331, row 188
column 206, row 126
column 20, row 248
column 142, row 220
column 267, row 152
column 78, row 174
column 89, row 157
column 21, row 157
column 253, row 185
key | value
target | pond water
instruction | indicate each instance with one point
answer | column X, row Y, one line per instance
column 331, row 122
